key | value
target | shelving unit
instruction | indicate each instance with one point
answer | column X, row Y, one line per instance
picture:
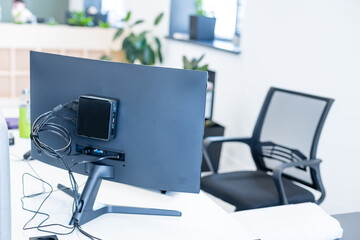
column 19, row 40
column 15, row 66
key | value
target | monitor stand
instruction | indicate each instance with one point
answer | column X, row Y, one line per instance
column 86, row 213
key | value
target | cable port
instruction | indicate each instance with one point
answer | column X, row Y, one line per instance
column 99, row 152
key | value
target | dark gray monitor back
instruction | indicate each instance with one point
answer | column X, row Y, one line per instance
column 160, row 122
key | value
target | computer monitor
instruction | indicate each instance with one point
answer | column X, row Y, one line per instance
column 159, row 123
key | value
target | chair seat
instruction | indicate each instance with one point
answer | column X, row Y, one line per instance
column 252, row 189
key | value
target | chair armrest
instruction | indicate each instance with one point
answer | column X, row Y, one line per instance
column 278, row 171
column 210, row 140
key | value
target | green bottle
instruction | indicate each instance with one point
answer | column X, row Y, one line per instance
column 24, row 114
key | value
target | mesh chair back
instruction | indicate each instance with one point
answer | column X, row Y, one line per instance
column 288, row 130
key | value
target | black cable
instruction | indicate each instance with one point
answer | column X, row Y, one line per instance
column 37, row 211
column 77, row 226
column 44, row 124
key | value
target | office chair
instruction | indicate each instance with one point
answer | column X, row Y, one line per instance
column 283, row 147
column 5, row 218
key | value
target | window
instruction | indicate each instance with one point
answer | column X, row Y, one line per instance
column 115, row 9
column 226, row 13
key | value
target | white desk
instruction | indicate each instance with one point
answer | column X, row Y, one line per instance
column 201, row 219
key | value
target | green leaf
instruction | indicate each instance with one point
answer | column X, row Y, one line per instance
column 193, row 63
column 160, row 55
column 143, row 34
column 88, row 21
column 129, row 48
column 203, row 68
column 105, row 58
column 52, row 22
column 140, row 42
column 80, row 19
column 158, row 43
column 131, row 53
column 132, row 39
column 199, row 8
column 71, row 21
column 158, row 18
column 137, row 22
column 148, row 57
column 201, row 58
column 186, row 62
column 104, row 24
column 118, row 33
column 127, row 18
column 14, row 18
column 126, row 42
column 78, row 14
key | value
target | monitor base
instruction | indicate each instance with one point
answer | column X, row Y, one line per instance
column 85, row 212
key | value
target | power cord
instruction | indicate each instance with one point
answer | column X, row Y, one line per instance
column 38, row 212
column 44, row 123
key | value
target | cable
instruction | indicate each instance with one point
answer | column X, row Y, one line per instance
column 38, row 212
column 44, row 123
column 19, row 159
column 83, row 232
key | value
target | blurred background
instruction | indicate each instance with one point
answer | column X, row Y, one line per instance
column 311, row 46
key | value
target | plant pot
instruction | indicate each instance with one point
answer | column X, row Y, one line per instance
column 202, row 28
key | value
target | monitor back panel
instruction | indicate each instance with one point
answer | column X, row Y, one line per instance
column 160, row 121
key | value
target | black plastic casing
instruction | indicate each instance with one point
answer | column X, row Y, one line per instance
column 97, row 117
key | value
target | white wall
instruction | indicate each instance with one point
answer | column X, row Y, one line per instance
column 149, row 10
column 76, row 5
column 311, row 46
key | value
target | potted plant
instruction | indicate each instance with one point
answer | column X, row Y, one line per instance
column 79, row 19
column 202, row 25
column 194, row 64
column 144, row 47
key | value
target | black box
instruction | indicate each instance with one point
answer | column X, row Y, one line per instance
column 97, row 117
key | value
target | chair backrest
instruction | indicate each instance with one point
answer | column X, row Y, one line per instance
column 288, row 130
column 5, row 219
